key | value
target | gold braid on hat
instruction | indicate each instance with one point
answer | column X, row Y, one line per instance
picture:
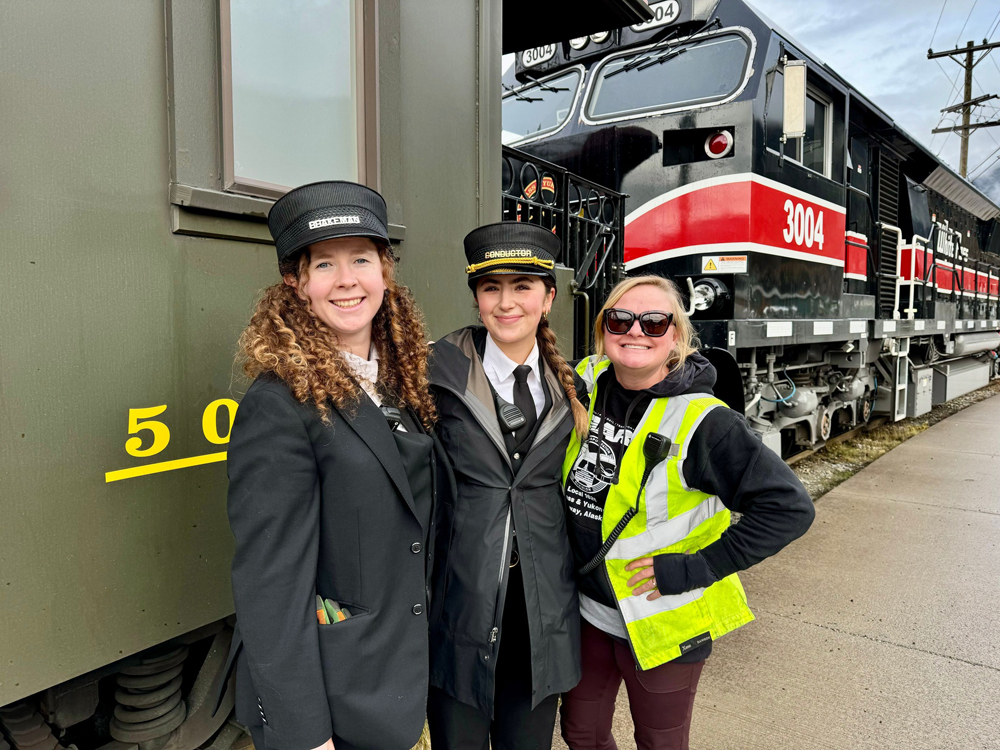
column 547, row 264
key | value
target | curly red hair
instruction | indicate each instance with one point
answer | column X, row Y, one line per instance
column 286, row 338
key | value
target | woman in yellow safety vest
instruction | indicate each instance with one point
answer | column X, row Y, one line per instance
column 650, row 519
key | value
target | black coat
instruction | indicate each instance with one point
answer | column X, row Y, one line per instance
column 475, row 536
column 328, row 509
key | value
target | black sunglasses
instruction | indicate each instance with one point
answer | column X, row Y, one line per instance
column 653, row 322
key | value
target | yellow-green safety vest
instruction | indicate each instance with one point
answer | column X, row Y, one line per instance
column 672, row 517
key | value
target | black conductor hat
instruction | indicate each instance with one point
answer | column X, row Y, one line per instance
column 324, row 210
column 510, row 247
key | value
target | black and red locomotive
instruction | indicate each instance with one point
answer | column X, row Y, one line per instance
column 845, row 268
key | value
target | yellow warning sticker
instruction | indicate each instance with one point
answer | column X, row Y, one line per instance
column 723, row 264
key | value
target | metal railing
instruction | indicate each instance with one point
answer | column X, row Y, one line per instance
column 589, row 220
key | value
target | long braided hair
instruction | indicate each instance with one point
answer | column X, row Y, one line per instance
column 285, row 337
column 549, row 349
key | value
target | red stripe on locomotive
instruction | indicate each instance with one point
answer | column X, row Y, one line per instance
column 968, row 280
column 738, row 212
column 856, row 255
column 924, row 258
column 716, row 214
column 945, row 277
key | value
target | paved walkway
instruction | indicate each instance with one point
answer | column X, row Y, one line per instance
column 880, row 628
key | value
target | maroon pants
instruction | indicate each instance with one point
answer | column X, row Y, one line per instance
column 660, row 699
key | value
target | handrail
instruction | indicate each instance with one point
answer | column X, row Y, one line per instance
column 911, row 310
column 899, row 261
column 955, row 276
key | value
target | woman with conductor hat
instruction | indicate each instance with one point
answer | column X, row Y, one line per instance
column 333, row 479
column 505, row 629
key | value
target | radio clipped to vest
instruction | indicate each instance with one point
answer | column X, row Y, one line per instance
column 655, row 450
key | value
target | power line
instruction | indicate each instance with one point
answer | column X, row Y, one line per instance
column 993, row 26
column 943, row 6
column 959, row 37
column 951, row 93
column 996, row 112
column 954, row 84
column 976, row 168
column 988, row 169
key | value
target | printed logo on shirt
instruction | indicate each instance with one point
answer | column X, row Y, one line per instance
column 591, row 475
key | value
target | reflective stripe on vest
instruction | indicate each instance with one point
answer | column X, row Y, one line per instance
column 672, row 517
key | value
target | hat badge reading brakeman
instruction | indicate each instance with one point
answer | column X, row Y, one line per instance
column 331, row 221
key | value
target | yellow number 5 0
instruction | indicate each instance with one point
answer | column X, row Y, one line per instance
column 161, row 433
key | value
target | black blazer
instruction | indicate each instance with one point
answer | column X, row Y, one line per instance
column 327, row 509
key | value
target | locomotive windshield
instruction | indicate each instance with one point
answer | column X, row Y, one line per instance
column 703, row 72
column 539, row 108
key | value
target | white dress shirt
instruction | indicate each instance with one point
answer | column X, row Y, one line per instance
column 500, row 370
column 366, row 372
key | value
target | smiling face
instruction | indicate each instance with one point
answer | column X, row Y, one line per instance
column 511, row 307
column 344, row 287
column 640, row 360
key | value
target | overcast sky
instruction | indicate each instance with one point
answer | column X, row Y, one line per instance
column 880, row 46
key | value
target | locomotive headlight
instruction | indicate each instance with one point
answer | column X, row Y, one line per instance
column 579, row 42
column 707, row 293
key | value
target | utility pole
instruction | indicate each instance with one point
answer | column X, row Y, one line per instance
column 967, row 102
column 963, row 160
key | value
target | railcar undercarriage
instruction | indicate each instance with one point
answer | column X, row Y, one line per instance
column 798, row 397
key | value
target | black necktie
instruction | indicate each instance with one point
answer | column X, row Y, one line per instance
column 524, row 402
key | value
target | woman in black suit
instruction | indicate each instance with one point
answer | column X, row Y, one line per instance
column 333, row 479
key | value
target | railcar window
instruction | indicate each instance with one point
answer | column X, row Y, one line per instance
column 813, row 151
column 536, row 109
column 699, row 73
column 295, row 99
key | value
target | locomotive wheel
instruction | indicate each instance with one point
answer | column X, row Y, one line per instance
column 825, row 424
column 996, row 367
column 867, row 406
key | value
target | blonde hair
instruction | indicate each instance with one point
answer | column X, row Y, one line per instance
column 687, row 343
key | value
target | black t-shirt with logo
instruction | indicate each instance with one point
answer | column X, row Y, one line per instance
column 592, row 474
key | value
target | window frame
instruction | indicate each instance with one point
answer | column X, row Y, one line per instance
column 797, row 158
column 748, row 68
column 366, row 45
column 569, row 115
